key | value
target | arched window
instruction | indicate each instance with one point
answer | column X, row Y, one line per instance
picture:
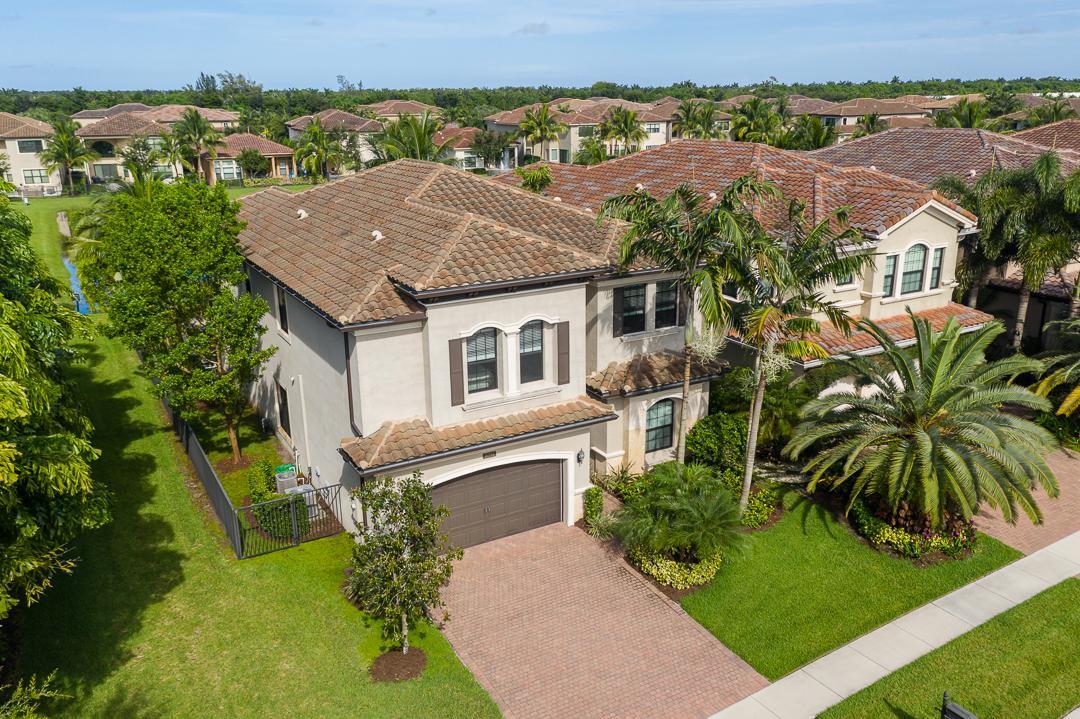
column 531, row 351
column 104, row 149
column 481, row 357
column 660, row 425
column 914, row 270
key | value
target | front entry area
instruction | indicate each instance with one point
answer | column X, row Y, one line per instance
column 501, row 501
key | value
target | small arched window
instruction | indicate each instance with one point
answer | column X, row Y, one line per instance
column 531, row 351
column 660, row 425
column 914, row 270
column 104, row 149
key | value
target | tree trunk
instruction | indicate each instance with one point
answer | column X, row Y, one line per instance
column 1021, row 316
column 680, row 451
column 234, row 439
column 752, row 433
column 71, row 182
column 404, row 634
column 1074, row 305
column 973, row 291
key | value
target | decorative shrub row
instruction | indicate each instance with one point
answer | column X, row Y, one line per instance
column 678, row 575
column 593, row 501
column 909, row 544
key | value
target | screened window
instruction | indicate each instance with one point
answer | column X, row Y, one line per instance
column 282, row 311
column 482, row 359
column 531, row 351
column 35, row 177
column 890, row 276
column 283, row 410
column 935, row 268
column 29, row 147
column 667, row 304
column 108, row 172
column 633, row 308
column 659, row 425
column 914, row 269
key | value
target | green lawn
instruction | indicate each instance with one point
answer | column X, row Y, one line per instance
column 254, row 443
column 1022, row 664
column 42, row 212
column 808, row 585
column 159, row 619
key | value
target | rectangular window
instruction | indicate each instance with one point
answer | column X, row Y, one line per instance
column 531, row 352
column 106, row 171
column 282, row 310
column 35, row 177
column 31, row 147
column 667, row 304
column 846, row 280
column 283, row 410
column 553, row 154
column 914, row 270
column 659, row 425
column 482, row 359
column 890, row 276
column 935, row 268
column 226, row 170
column 586, row 131
column 652, row 127
column 564, row 156
column 469, row 162
column 633, row 308
column 163, row 171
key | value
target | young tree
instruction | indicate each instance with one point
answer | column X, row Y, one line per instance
column 139, row 157
column 65, row 151
column 490, row 145
column 252, row 162
column 402, row 559
column 534, row 179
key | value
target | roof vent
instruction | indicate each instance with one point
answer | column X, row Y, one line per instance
column 873, row 167
column 301, row 214
column 557, row 199
column 712, row 196
column 972, row 173
column 376, row 235
column 639, row 187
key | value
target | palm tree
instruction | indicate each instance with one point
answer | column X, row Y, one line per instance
column 811, row 133
column 870, row 124
column 196, row 132
column 412, row 137
column 685, row 120
column 316, row 151
column 683, row 234
column 965, row 113
column 779, row 277
column 755, row 121
column 1053, row 111
column 592, row 151
column 622, row 125
column 173, row 151
column 932, row 438
column 64, row 151
column 539, row 125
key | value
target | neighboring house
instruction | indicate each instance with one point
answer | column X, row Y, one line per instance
column 460, row 146
column 393, row 109
column 845, row 115
column 1019, row 120
column 669, row 107
column 1062, row 135
column 582, row 118
column 89, row 117
column 343, row 122
column 915, row 232
column 803, row 105
column 427, row 318
column 168, row 115
column 108, row 136
column 223, row 165
column 21, row 139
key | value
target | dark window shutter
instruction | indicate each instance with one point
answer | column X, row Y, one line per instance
column 457, row 374
column 616, row 313
column 682, row 307
column 562, row 346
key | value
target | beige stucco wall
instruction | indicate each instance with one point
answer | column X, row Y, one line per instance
column 27, row 161
column 603, row 347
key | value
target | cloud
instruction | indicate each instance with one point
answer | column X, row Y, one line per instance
column 1028, row 31
column 533, row 28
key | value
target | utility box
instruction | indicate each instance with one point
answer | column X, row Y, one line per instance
column 285, row 477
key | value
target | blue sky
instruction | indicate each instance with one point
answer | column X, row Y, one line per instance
column 299, row 43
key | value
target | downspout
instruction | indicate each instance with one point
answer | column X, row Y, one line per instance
column 348, row 385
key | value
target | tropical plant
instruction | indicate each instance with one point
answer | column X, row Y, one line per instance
column 965, row 113
column 1054, row 110
column 252, row 162
column 317, row 151
column 412, row 137
column 402, row 559
column 931, row 440
column 592, row 151
column 809, row 132
column 196, row 132
column 139, row 157
column 986, row 249
column 539, row 126
column 999, row 101
column 64, row 151
column 622, row 127
column 534, row 179
column 755, row 121
column 870, row 124
column 683, row 234
column 1063, row 367
column 173, row 151
column 685, row 119
column 489, row 145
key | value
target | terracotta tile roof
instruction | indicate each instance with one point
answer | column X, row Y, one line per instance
column 15, row 127
column 646, row 372
column 914, row 99
column 232, row 145
column 805, row 105
column 669, row 107
column 923, row 155
column 170, row 114
column 1021, row 115
column 1056, row 285
column 412, row 440
column 1061, row 135
column 337, row 120
column 876, row 200
column 897, row 122
column 110, row 111
column 867, row 105
column 945, row 103
column 460, row 138
column 393, row 108
column 125, row 124
column 736, row 100
column 586, row 112
column 898, row 327
column 441, row 229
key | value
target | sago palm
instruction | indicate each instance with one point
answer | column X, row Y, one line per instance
column 196, row 132
column 931, row 436
column 65, row 151
column 540, row 126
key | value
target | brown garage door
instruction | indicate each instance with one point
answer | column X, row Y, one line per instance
column 500, row 501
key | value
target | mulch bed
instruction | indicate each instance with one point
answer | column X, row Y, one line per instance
column 398, row 667
column 227, row 465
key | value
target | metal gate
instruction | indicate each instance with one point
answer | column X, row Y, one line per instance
column 287, row 521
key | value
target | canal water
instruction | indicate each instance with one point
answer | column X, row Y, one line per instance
column 73, row 278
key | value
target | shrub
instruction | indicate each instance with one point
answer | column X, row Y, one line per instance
column 763, row 498
column 275, row 519
column 909, row 544
column 678, row 575
column 623, row 483
column 718, row 440
column 593, row 502
column 602, row 526
column 261, row 484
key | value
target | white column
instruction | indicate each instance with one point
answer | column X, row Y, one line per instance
column 511, row 348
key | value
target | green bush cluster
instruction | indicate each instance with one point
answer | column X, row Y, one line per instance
column 678, row 575
column 1065, row 429
column 762, row 502
column 718, row 440
column 908, row 544
column 593, row 502
column 625, row 484
column 275, row 519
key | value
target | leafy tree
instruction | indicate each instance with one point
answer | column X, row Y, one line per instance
column 755, row 121
column 490, row 145
column 412, row 137
column 64, row 151
column 540, row 126
column 1053, row 111
column 317, row 150
column 165, row 269
column 206, row 90
column 252, row 162
column 684, row 233
column 932, row 438
column 592, row 151
column 47, row 493
column 870, row 124
column 402, row 559
column 534, row 179
column 195, row 132
column 139, row 157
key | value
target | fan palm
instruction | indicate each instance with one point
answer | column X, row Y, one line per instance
column 932, row 438
column 683, row 234
column 64, row 151
column 870, row 124
column 316, row 151
column 755, row 121
column 412, row 137
column 540, row 126
column 196, row 132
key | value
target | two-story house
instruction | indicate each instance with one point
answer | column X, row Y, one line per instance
column 393, row 109
column 844, row 116
column 21, row 141
column 430, row 319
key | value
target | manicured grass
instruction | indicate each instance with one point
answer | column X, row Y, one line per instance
column 1023, row 664
column 159, row 620
column 808, row 585
column 46, row 238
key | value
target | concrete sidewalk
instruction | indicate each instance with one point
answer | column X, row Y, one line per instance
column 826, row 681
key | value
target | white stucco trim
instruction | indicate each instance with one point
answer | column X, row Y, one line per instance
column 569, row 469
column 935, row 205
column 508, row 327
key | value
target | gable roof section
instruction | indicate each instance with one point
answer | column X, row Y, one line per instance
column 460, row 138
column 391, row 108
column 649, row 373
column 925, row 154
column 877, row 201
column 587, row 112
column 170, row 114
column 17, row 127
column 110, row 111
column 233, row 145
column 336, row 120
column 1061, row 135
column 442, row 231
column 867, row 105
column 125, row 124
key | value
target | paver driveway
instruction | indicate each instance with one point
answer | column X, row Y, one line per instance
column 554, row 625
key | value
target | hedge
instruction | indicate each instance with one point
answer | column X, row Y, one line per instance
column 678, row 575
column 593, row 502
column 718, row 440
column 905, row 543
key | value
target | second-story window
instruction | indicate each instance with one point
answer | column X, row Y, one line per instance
column 27, row 147
column 282, row 310
column 667, row 304
column 633, row 308
column 935, row 268
column 481, row 357
column 889, row 283
column 652, row 127
column 914, row 270
column 531, row 351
